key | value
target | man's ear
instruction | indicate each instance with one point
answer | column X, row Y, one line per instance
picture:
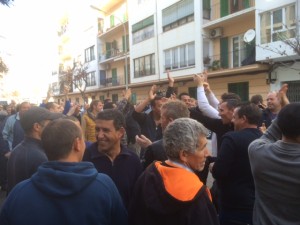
column 183, row 156
column 121, row 131
column 76, row 144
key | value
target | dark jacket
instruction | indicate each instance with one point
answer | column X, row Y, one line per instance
column 148, row 126
column 63, row 193
column 166, row 195
column 24, row 161
column 233, row 173
column 124, row 170
column 267, row 117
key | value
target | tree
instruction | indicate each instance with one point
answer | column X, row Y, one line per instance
column 6, row 2
column 75, row 77
column 3, row 67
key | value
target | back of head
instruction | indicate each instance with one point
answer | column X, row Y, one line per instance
column 58, row 138
column 112, row 114
column 289, row 120
column 109, row 105
column 251, row 112
column 49, row 105
column 230, row 95
column 256, row 99
column 175, row 109
column 232, row 103
column 182, row 134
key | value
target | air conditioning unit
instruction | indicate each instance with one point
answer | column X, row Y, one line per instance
column 217, row 32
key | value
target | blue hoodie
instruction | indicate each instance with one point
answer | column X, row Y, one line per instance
column 64, row 193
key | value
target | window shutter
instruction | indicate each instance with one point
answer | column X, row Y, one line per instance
column 224, row 8
column 224, row 52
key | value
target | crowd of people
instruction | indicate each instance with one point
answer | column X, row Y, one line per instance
column 119, row 163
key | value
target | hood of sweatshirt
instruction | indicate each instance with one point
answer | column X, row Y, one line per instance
column 62, row 179
column 166, row 189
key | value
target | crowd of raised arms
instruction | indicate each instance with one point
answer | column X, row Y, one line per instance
column 148, row 164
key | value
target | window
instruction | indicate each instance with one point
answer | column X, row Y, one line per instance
column 294, row 90
column 206, row 9
column 144, row 66
column 238, row 51
column 89, row 54
column 143, row 30
column 242, row 89
column 180, row 57
column 277, row 25
column 114, row 98
column 91, row 79
column 178, row 14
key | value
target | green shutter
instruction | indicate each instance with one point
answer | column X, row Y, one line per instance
column 246, row 4
column 224, row 52
column 142, row 24
column 123, row 43
column 206, row 4
column 242, row 89
column 224, row 8
column 114, row 78
column 108, row 49
column 112, row 21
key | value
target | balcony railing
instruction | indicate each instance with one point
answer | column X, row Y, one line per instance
column 224, row 8
column 112, row 81
column 112, row 53
column 230, row 59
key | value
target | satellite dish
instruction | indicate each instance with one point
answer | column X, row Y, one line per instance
column 249, row 36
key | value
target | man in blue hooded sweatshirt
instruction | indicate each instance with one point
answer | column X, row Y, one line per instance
column 64, row 190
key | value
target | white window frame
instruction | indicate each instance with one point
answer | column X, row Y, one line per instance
column 284, row 23
column 175, row 54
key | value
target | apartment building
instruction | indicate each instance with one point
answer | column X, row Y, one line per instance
column 136, row 41
column 277, row 30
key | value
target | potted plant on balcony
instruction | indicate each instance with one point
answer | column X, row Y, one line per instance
column 206, row 60
column 216, row 65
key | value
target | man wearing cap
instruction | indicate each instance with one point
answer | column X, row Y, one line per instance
column 29, row 154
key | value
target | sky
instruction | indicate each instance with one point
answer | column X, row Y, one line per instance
column 28, row 41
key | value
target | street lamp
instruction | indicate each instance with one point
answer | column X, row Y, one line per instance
column 125, row 44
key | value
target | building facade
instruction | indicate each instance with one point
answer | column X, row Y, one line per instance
column 132, row 43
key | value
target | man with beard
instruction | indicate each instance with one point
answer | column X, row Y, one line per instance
column 112, row 158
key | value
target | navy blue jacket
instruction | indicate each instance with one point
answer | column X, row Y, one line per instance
column 124, row 170
column 63, row 193
column 24, row 161
column 148, row 126
column 233, row 173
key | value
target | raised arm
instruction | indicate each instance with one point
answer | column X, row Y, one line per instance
column 203, row 103
column 151, row 95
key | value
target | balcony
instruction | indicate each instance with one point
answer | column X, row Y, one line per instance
column 112, row 55
column 224, row 13
column 230, row 59
column 112, row 81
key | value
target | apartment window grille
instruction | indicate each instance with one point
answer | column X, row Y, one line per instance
column 177, row 14
column 180, row 57
column 278, row 24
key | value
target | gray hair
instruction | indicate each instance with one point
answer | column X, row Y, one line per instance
column 182, row 134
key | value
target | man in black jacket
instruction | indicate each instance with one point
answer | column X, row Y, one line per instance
column 29, row 154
